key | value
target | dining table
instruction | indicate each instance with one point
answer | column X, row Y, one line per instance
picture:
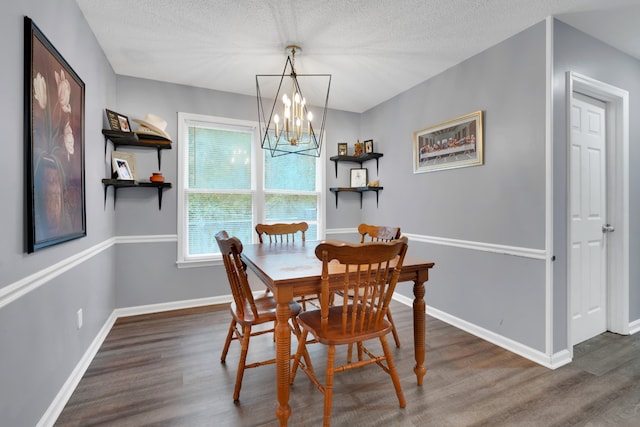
column 291, row 269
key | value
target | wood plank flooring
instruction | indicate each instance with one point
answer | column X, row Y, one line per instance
column 164, row 370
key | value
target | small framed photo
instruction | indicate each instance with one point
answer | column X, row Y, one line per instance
column 118, row 121
column 358, row 149
column 342, row 148
column 130, row 158
column 121, row 167
column 359, row 177
column 368, row 146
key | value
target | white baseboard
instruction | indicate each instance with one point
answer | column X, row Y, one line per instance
column 168, row 306
column 552, row 362
column 53, row 412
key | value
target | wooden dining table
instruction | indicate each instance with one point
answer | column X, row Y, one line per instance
column 291, row 269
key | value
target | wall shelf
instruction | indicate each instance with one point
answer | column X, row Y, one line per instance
column 360, row 190
column 356, row 159
column 126, row 183
column 118, row 138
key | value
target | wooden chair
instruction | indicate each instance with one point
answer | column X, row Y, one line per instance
column 246, row 311
column 284, row 233
column 372, row 271
column 381, row 233
column 281, row 232
column 378, row 233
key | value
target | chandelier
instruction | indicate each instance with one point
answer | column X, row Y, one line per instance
column 291, row 127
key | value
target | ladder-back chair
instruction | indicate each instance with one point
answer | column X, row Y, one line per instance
column 285, row 233
column 381, row 233
column 246, row 311
column 281, row 232
column 369, row 272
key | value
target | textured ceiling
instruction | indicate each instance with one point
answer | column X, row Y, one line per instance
column 374, row 49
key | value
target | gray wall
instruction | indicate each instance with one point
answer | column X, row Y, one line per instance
column 580, row 53
column 500, row 203
column 137, row 212
column 39, row 341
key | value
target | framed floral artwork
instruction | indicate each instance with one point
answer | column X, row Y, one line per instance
column 54, row 144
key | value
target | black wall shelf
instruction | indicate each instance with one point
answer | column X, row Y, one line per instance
column 126, row 183
column 355, row 159
column 336, row 190
column 130, row 139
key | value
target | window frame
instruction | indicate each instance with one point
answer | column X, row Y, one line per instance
column 257, row 191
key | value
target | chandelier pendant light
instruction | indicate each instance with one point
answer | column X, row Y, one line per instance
column 290, row 127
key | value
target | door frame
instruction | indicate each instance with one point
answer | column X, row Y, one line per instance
column 617, row 150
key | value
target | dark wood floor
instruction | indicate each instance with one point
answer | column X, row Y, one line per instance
column 164, row 370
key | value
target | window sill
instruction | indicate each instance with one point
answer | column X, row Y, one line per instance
column 205, row 262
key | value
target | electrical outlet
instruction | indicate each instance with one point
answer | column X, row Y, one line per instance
column 79, row 318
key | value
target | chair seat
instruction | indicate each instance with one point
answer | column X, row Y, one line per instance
column 311, row 321
column 266, row 307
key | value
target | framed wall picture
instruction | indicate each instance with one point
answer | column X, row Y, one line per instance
column 342, row 148
column 131, row 162
column 368, row 146
column 122, row 169
column 358, row 177
column 54, row 99
column 118, row 121
column 452, row 144
column 358, row 148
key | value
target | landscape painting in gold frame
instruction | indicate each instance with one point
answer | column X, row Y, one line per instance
column 452, row 144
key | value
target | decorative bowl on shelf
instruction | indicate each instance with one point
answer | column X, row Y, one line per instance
column 156, row 177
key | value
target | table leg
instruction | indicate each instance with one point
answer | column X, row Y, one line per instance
column 283, row 353
column 419, row 328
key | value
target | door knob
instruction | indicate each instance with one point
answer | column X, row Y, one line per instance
column 608, row 228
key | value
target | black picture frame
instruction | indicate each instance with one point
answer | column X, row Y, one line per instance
column 368, row 146
column 118, row 121
column 54, row 128
column 343, row 149
column 359, row 177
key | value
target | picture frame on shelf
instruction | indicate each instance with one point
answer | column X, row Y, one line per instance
column 359, row 177
column 342, row 148
column 130, row 158
column 451, row 144
column 118, row 121
column 54, row 126
column 121, row 167
column 368, row 146
column 358, row 149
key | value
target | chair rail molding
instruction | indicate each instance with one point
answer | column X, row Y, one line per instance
column 27, row 284
column 18, row 289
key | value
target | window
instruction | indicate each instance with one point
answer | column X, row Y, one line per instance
column 227, row 182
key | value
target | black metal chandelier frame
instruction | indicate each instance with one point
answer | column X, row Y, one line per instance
column 280, row 146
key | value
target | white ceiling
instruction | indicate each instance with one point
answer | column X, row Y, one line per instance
column 374, row 49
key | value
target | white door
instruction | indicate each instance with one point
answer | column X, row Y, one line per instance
column 588, row 264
